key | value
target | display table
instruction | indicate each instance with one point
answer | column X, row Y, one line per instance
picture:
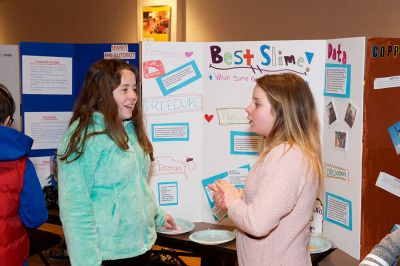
column 213, row 255
column 218, row 255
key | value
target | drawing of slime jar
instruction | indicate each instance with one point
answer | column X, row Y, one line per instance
column 190, row 163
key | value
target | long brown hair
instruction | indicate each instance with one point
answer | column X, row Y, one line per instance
column 296, row 117
column 97, row 96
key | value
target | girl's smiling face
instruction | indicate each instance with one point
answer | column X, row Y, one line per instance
column 125, row 95
column 261, row 114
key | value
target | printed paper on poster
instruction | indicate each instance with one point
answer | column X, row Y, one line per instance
column 42, row 167
column 46, row 128
column 46, row 75
column 387, row 82
column 388, row 183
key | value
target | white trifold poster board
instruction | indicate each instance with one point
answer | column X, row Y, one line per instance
column 9, row 76
column 342, row 142
column 194, row 100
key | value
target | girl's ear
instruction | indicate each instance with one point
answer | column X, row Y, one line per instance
column 5, row 123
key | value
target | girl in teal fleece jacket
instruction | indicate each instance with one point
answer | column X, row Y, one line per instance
column 107, row 208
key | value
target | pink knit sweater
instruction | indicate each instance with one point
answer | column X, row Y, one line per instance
column 274, row 214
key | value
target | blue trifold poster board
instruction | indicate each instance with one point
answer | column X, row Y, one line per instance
column 52, row 75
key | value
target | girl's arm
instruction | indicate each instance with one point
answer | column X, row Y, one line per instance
column 386, row 252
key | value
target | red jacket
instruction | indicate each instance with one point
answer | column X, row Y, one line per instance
column 14, row 241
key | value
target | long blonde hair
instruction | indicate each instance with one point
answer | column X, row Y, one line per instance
column 296, row 117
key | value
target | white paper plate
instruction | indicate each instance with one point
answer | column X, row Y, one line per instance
column 318, row 245
column 212, row 237
column 183, row 225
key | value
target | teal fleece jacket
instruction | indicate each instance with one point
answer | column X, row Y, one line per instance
column 107, row 208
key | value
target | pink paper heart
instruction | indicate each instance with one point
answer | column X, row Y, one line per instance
column 188, row 54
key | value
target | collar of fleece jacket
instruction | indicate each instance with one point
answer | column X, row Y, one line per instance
column 13, row 144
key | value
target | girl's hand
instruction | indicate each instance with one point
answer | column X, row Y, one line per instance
column 218, row 196
column 240, row 191
column 169, row 222
column 229, row 192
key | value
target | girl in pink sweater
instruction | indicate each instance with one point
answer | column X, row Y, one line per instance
column 273, row 212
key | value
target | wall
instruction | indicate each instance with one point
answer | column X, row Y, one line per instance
column 290, row 20
column 83, row 21
column 71, row 21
